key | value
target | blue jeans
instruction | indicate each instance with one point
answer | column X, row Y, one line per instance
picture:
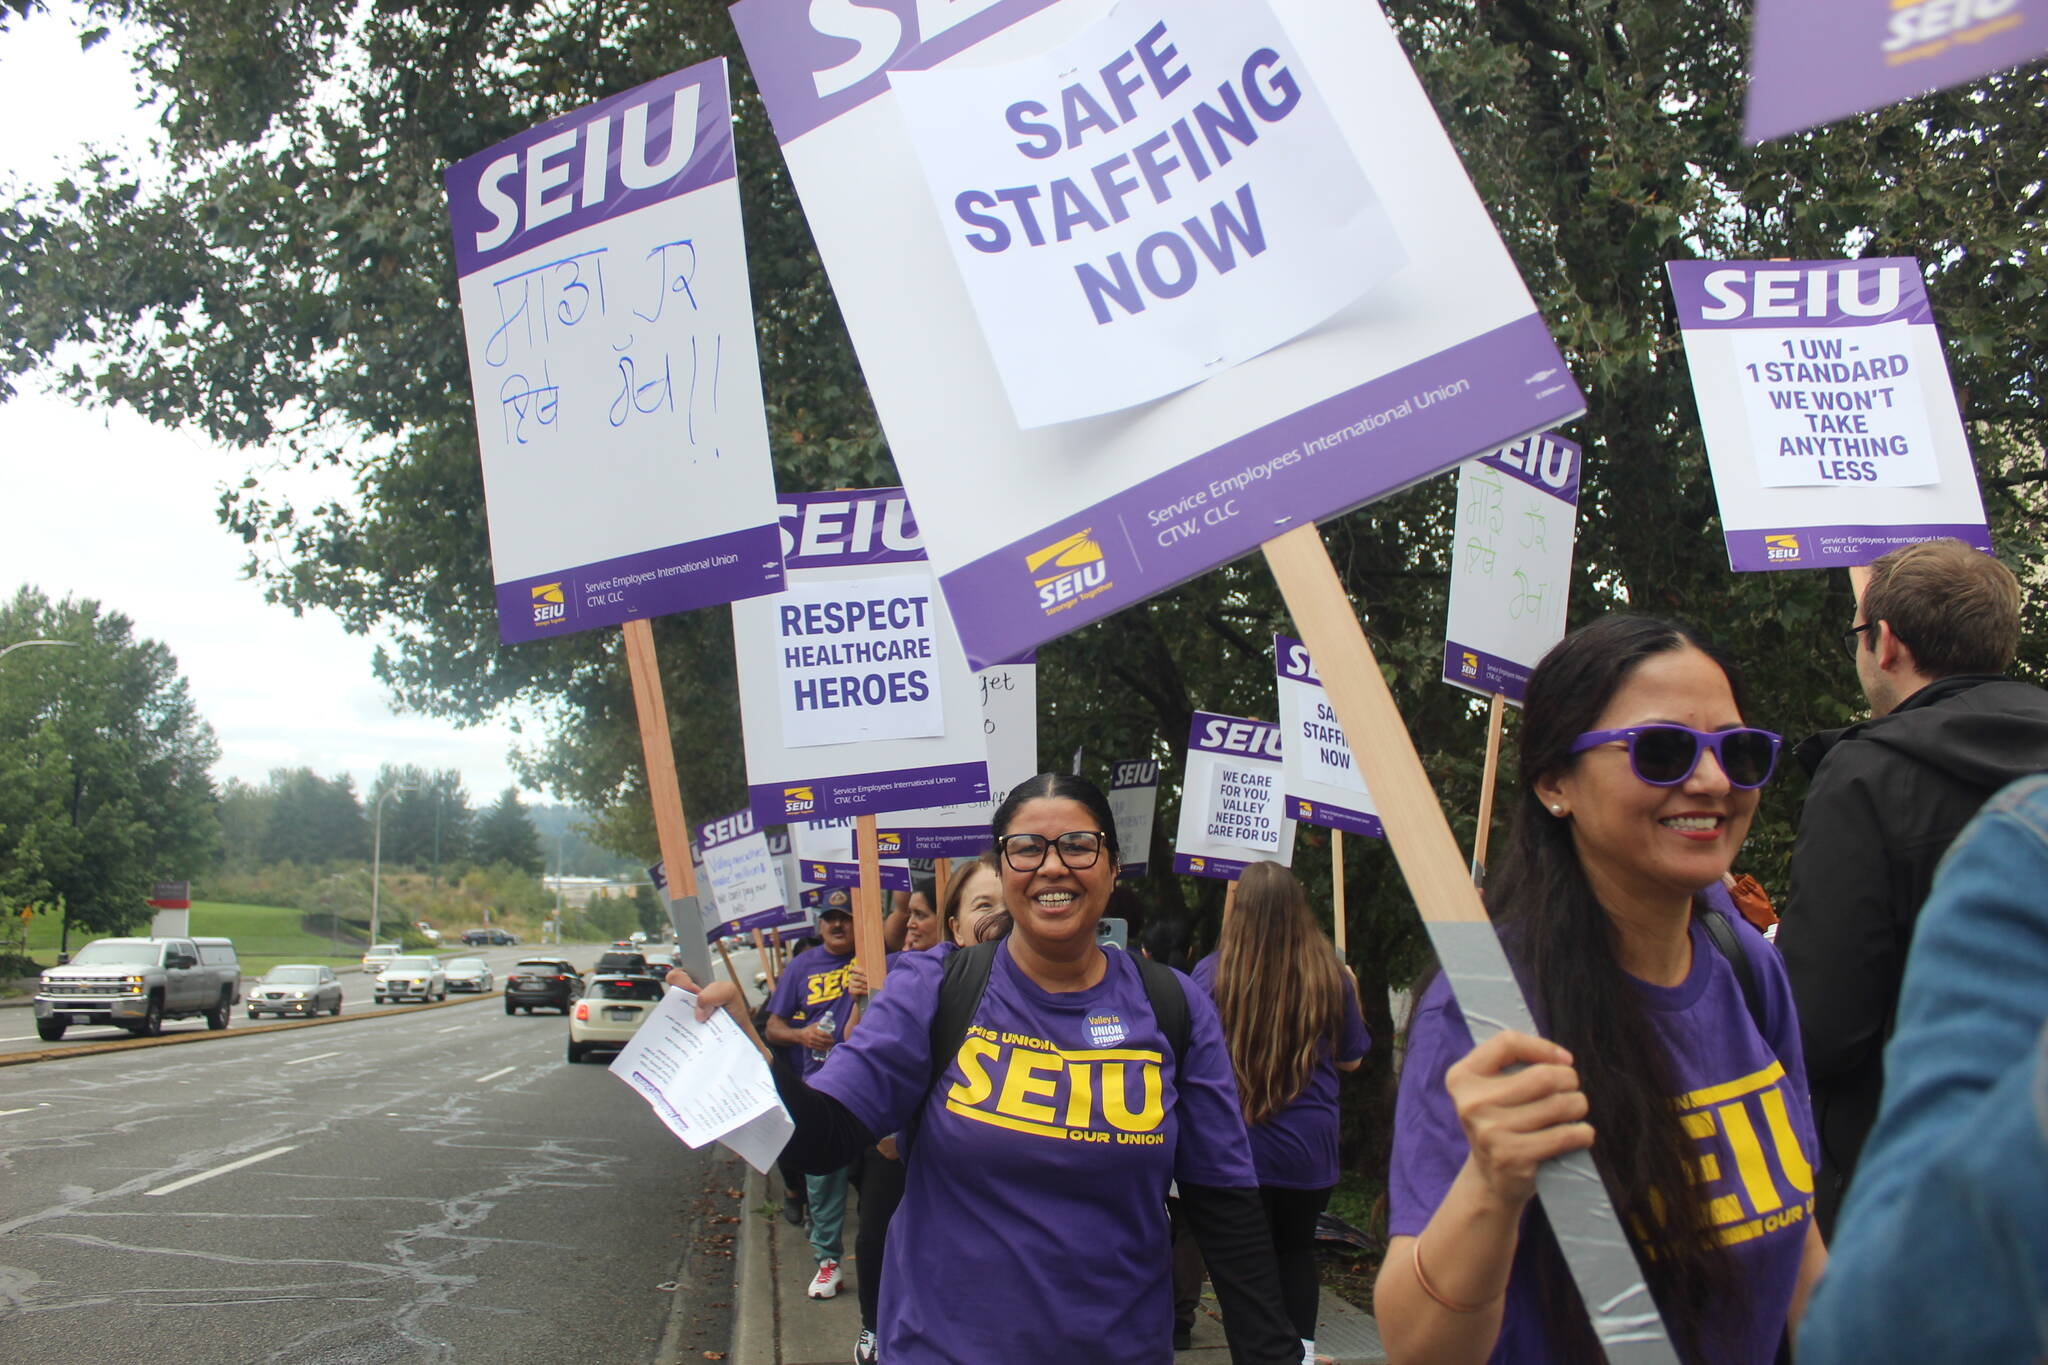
column 828, row 1213
column 1942, row 1249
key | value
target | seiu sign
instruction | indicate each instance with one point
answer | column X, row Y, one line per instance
column 870, row 526
column 1226, row 735
column 725, row 831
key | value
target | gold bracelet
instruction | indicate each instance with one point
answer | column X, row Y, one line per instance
column 1415, row 1248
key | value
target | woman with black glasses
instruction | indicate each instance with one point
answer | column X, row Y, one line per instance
column 1638, row 782
column 1049, row 1092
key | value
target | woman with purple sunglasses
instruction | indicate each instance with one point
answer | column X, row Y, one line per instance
column 1638, row 778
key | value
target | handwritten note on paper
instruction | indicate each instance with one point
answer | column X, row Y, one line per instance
column 1511, row 563
column 705, row 1082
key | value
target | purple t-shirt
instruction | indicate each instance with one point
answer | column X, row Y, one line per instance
column 1743, row 1097
column 811, row 987
column 1033, row 1218
column 1296, row 1149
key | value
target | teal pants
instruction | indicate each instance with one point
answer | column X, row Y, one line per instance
column 828, row 1213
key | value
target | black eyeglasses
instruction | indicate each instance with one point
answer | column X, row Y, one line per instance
column 1078, row 849
column 1666, row 755
column 1849, row 640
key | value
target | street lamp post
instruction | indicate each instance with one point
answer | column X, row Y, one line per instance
column 377, row 859
column 24, row 644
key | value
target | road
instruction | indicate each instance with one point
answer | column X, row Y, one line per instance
column 431, row 1186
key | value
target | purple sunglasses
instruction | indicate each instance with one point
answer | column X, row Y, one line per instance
column 1666, row 755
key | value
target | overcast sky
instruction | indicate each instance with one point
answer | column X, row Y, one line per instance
column 101, row 504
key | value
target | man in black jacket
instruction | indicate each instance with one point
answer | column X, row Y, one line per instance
column 1935, row 628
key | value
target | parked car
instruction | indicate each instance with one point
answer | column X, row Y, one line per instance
column 379, row 954
column 620, row 962
column 137, row 983
column 659, row 960
column 295, row 989
column 542, row 983
column 610, row 1013
column 489, row 938
column 405, row 978
column 470, row 974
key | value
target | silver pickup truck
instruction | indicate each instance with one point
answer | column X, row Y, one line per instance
column 138, row 983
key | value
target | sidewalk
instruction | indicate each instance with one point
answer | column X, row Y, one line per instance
column 775, row 1324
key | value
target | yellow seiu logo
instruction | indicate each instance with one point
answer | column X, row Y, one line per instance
column 1197, row 864
column 1076, row 571
column 825, row 987
column 1306, row 810
column 1468, row 664
column 1752, row 1172
column 818, row 872
column 798, row 800
column 889, row 843
column 549, row 606
column 1784, row 545
column 1101, row 1094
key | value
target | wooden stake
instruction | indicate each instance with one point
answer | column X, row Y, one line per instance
column 1229, row 898
column 942, row 872
column 664, row 791
column 1486, row 783
column 869, row 948
column 767, row 960
column 1337, row 915
column 734, row 973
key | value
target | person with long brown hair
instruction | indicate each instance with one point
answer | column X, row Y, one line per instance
column 1638, row 781
column 1291, row 1022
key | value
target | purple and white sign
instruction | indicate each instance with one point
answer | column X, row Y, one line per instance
column 1232, row 810
column 1009, row 727
column 742, row 874
column 1320, row 781
column 1511, row 564
column 1134, row 802
column 1442, row 358
column 1831, row 426
column 1814, row 61
column 855, row 696
column 825, row 855
column 611, row 355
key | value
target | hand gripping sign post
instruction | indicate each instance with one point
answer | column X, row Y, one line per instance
column 857, row 697
column 618, row 395
column 1511, row 565
column 1231, row 810
column 1814, row 61
column 1322, row 785
column 1133, row 800
column 1440, row 359
column 1831, row 428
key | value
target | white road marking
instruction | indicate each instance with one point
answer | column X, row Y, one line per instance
column 316, row 1057
column 478, row 1081
column 177, row 1185
column 30, row 1108
column 451, row 1028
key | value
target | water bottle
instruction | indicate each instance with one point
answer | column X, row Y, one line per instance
column 827, row 1024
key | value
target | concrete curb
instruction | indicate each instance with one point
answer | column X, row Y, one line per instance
column 754, row 1332
column 174, row 1039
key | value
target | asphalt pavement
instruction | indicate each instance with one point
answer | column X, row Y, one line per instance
column 432, row 1186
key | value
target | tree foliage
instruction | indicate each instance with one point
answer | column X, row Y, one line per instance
column 426, row 820
column 285, row 285
column 103, row 766
column 505, row 834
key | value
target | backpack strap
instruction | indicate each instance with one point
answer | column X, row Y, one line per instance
column 1169, row 1001
column 1722, row 934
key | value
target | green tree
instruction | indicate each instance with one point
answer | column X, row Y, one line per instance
column 104, row 761
column 313, row 819
column 426, row 819
column 505, row 834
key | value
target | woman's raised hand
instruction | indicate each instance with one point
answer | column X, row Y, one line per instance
column 1519, row 1102
column 710, row 999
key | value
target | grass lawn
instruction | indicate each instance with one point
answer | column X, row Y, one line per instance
column 264, row 936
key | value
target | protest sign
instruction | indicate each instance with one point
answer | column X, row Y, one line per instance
column 611, row 354
column 1320, row 780
column 1421, row 366
column 745, row 886
column 1009, row 726
column 1231, row 809
column 825, row 855
column 1511, row 564
column 1814, row 61
column 873, row 706
column 1133, row 801
column 782, row 853
column 1831, row 427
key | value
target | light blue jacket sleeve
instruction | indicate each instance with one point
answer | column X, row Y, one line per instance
column 1942, row 1249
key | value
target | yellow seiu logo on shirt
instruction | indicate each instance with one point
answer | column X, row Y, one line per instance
column 1767, row 1181
column 825, row 987
column 1103, row 1094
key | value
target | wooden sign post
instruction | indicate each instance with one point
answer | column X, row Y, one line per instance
column 870, row 949
column 942, row 872
column 1486, row 784
column 1337, row 914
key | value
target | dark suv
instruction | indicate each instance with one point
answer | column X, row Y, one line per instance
column 488, row 938
column 542, row 982
column 621, row 963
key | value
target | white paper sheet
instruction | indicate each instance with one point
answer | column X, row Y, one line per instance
column 705, row 1082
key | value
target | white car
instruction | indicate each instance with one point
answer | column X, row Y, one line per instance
column 375, row 960
column 407, row 978
column 470, row 974
column 612, row 1009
